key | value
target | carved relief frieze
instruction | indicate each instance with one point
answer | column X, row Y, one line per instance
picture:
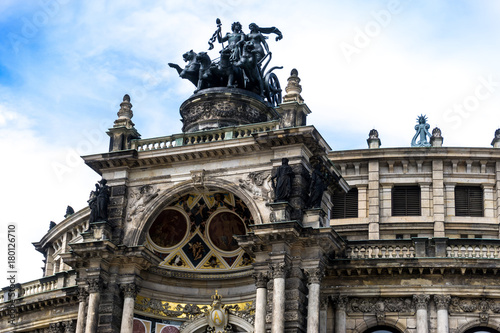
column 380, row 306
column 139, row 199
column 188, row 310
column 481, row 306
column 258, row 184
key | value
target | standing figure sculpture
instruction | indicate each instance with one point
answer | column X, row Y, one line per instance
column 317, row 187
column 233, row 38
column 282, row 181
column 98, row 202
column 422, row 129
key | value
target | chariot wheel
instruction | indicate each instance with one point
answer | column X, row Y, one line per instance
column 273, row 89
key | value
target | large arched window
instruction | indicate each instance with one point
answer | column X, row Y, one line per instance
column 382, row 329
column 481, row 330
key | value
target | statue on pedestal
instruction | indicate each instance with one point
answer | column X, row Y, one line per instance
column 316, row 188
column 98, row 202
column 282, row 181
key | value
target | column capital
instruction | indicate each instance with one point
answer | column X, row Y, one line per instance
column 130, row 290
column 314, row 275
column 442, row 301
column 340, row 302
column 82, row 294
column 421, row 301
column 95, row 284
column 261, row 279
column 278, row 270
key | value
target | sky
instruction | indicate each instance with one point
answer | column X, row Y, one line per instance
column 65, row 66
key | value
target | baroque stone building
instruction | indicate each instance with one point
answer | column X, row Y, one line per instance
column 185, row 232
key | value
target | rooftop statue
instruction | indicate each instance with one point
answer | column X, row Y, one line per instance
column 242, row 63
column 422, row 129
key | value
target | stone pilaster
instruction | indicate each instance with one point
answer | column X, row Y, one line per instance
column 421, row 304
column 323, row 313
column 438, row 197
column 130, row 291
column 117, row 209
column 442, row 304
column 374, row 201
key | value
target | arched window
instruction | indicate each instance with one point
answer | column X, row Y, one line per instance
column 481, row 330
column 382, row 329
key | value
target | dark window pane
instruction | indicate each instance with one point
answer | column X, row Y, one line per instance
column 468, row 201
column 345, row 205
column 406, row 201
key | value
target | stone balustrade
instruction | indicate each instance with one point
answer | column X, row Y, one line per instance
column 370, row 251
column 45, row 284
column 185, row 139
column 451, row 248
column 473, row 251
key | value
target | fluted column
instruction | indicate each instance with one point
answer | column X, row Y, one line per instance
column 95, row 286
column 442, row 303
column 421, row 302
column 130, row 291
column 82, row 298
column 340, row 314
column 260, row 302
column 314, row 277
column 279, row 273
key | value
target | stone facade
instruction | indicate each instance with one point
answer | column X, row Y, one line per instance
column 194, row 240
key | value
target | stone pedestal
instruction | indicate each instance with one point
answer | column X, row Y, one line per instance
column 314, row 217
column 280, row 211
column 214, row 108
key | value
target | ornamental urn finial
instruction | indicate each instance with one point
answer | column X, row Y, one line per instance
column 125, row 111
column 293, row 88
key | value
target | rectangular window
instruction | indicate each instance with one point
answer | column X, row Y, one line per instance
column 406, row 201
column 468, row 201
column 345, row 205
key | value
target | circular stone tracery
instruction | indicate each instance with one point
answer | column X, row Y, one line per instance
column 221, row 229
column 195, row 232
column 169, row 228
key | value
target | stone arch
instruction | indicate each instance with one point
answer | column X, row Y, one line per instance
column 492, row 324
column 199, row 324
column 136, row 236
column 372, row 322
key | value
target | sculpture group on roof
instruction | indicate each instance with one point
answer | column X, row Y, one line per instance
column 242, row 63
